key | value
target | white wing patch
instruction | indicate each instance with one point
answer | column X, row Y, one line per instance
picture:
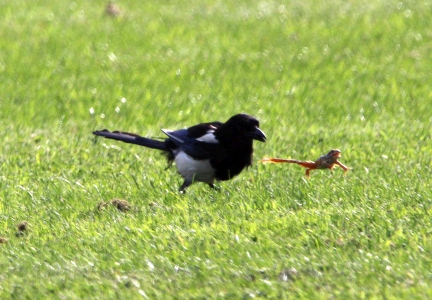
column 209, row 137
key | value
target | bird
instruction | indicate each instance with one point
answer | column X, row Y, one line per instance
column 206, row 152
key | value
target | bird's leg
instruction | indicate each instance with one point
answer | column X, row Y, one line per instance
column 185, row 184
column 214, row 187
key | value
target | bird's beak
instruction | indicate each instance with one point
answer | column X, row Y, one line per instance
column 258, row 135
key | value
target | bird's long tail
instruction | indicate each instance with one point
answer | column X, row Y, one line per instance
column 131, row 139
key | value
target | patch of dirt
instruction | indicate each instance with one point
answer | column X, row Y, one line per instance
column 23, row 226
column 121, row 205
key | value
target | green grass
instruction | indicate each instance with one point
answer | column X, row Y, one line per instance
column 317, row 74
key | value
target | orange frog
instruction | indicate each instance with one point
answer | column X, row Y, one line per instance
column 327, row 161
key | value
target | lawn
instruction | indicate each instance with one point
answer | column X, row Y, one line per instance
column 318, row 75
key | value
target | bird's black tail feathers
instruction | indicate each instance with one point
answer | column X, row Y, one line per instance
column 132, row 139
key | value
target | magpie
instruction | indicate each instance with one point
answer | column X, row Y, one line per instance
column 205, row 152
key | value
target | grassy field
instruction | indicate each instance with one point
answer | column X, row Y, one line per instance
column 317, row 74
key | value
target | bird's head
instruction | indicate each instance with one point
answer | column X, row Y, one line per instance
column 247, row 126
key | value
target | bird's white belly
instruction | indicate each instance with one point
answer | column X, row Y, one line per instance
column 194, row 170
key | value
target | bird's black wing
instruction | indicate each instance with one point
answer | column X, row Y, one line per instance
column 197, row 141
